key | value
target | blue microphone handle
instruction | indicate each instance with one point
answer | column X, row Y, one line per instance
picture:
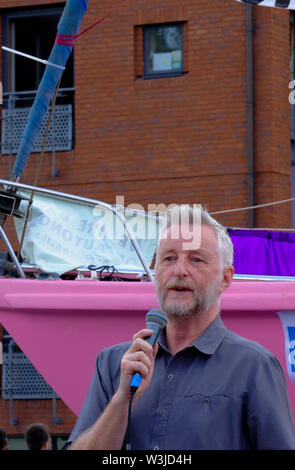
column 136, row 379
column 155, row 320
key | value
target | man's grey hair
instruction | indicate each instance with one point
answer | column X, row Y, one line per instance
column 178, row 213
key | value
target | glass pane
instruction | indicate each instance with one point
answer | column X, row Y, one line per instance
column 165, row 49
column 35, row 35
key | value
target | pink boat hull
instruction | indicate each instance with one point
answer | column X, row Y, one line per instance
column 62, row 325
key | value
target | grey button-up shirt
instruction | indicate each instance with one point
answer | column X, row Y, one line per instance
column 222, row 392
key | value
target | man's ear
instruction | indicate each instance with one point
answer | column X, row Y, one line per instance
column 227, row 277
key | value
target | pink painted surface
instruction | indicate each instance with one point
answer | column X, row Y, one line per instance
column 62, row 325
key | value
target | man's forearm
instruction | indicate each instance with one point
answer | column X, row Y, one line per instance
column 109, row 430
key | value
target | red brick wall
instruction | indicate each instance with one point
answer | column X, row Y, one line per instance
column 181, row 139
column 31, row 411
column 272, row 116
column 166, row 140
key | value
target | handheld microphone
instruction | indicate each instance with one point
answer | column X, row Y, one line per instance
column 156, row 320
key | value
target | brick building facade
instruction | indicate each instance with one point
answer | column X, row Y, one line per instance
column 184, row 138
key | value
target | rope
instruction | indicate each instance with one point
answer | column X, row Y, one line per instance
column 273, row 229
column 253, row 207
column 70, row 39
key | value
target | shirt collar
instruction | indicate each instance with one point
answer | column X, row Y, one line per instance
column 209, row 341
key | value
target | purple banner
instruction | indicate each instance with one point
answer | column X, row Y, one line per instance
column 263, row 252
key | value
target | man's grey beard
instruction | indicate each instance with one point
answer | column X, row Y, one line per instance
column 197, row 307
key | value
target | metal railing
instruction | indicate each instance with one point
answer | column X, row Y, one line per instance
column 119, row 212
column 15, row 111
column 22, row 381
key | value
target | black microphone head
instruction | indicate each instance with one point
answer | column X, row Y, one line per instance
column 156, row 316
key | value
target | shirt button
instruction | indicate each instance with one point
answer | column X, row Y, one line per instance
column 162, row 412
column 156, row 447
column 170, row 376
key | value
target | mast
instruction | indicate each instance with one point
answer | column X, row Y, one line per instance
column 67, row 30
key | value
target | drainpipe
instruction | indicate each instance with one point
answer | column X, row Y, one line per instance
column 250, row 113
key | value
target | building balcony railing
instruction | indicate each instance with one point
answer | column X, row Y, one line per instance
column 15, row 112
column 21, row 381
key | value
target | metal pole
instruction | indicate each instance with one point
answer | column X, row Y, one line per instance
column 56, row 419
column 93, row 202
column 10, row 120
column 12, row 420
column 57, row 194
column 12, row 254
column 135, row 244
column 250, row 117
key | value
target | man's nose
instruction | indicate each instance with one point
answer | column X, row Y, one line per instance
column 181, row 268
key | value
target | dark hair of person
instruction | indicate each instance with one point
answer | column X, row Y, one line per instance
column 3, row 439
column 36, row 435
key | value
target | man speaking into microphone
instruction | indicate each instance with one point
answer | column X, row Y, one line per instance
column 199, row 385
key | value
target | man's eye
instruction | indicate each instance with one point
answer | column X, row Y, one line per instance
column 169, row 258
column 196, row 259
